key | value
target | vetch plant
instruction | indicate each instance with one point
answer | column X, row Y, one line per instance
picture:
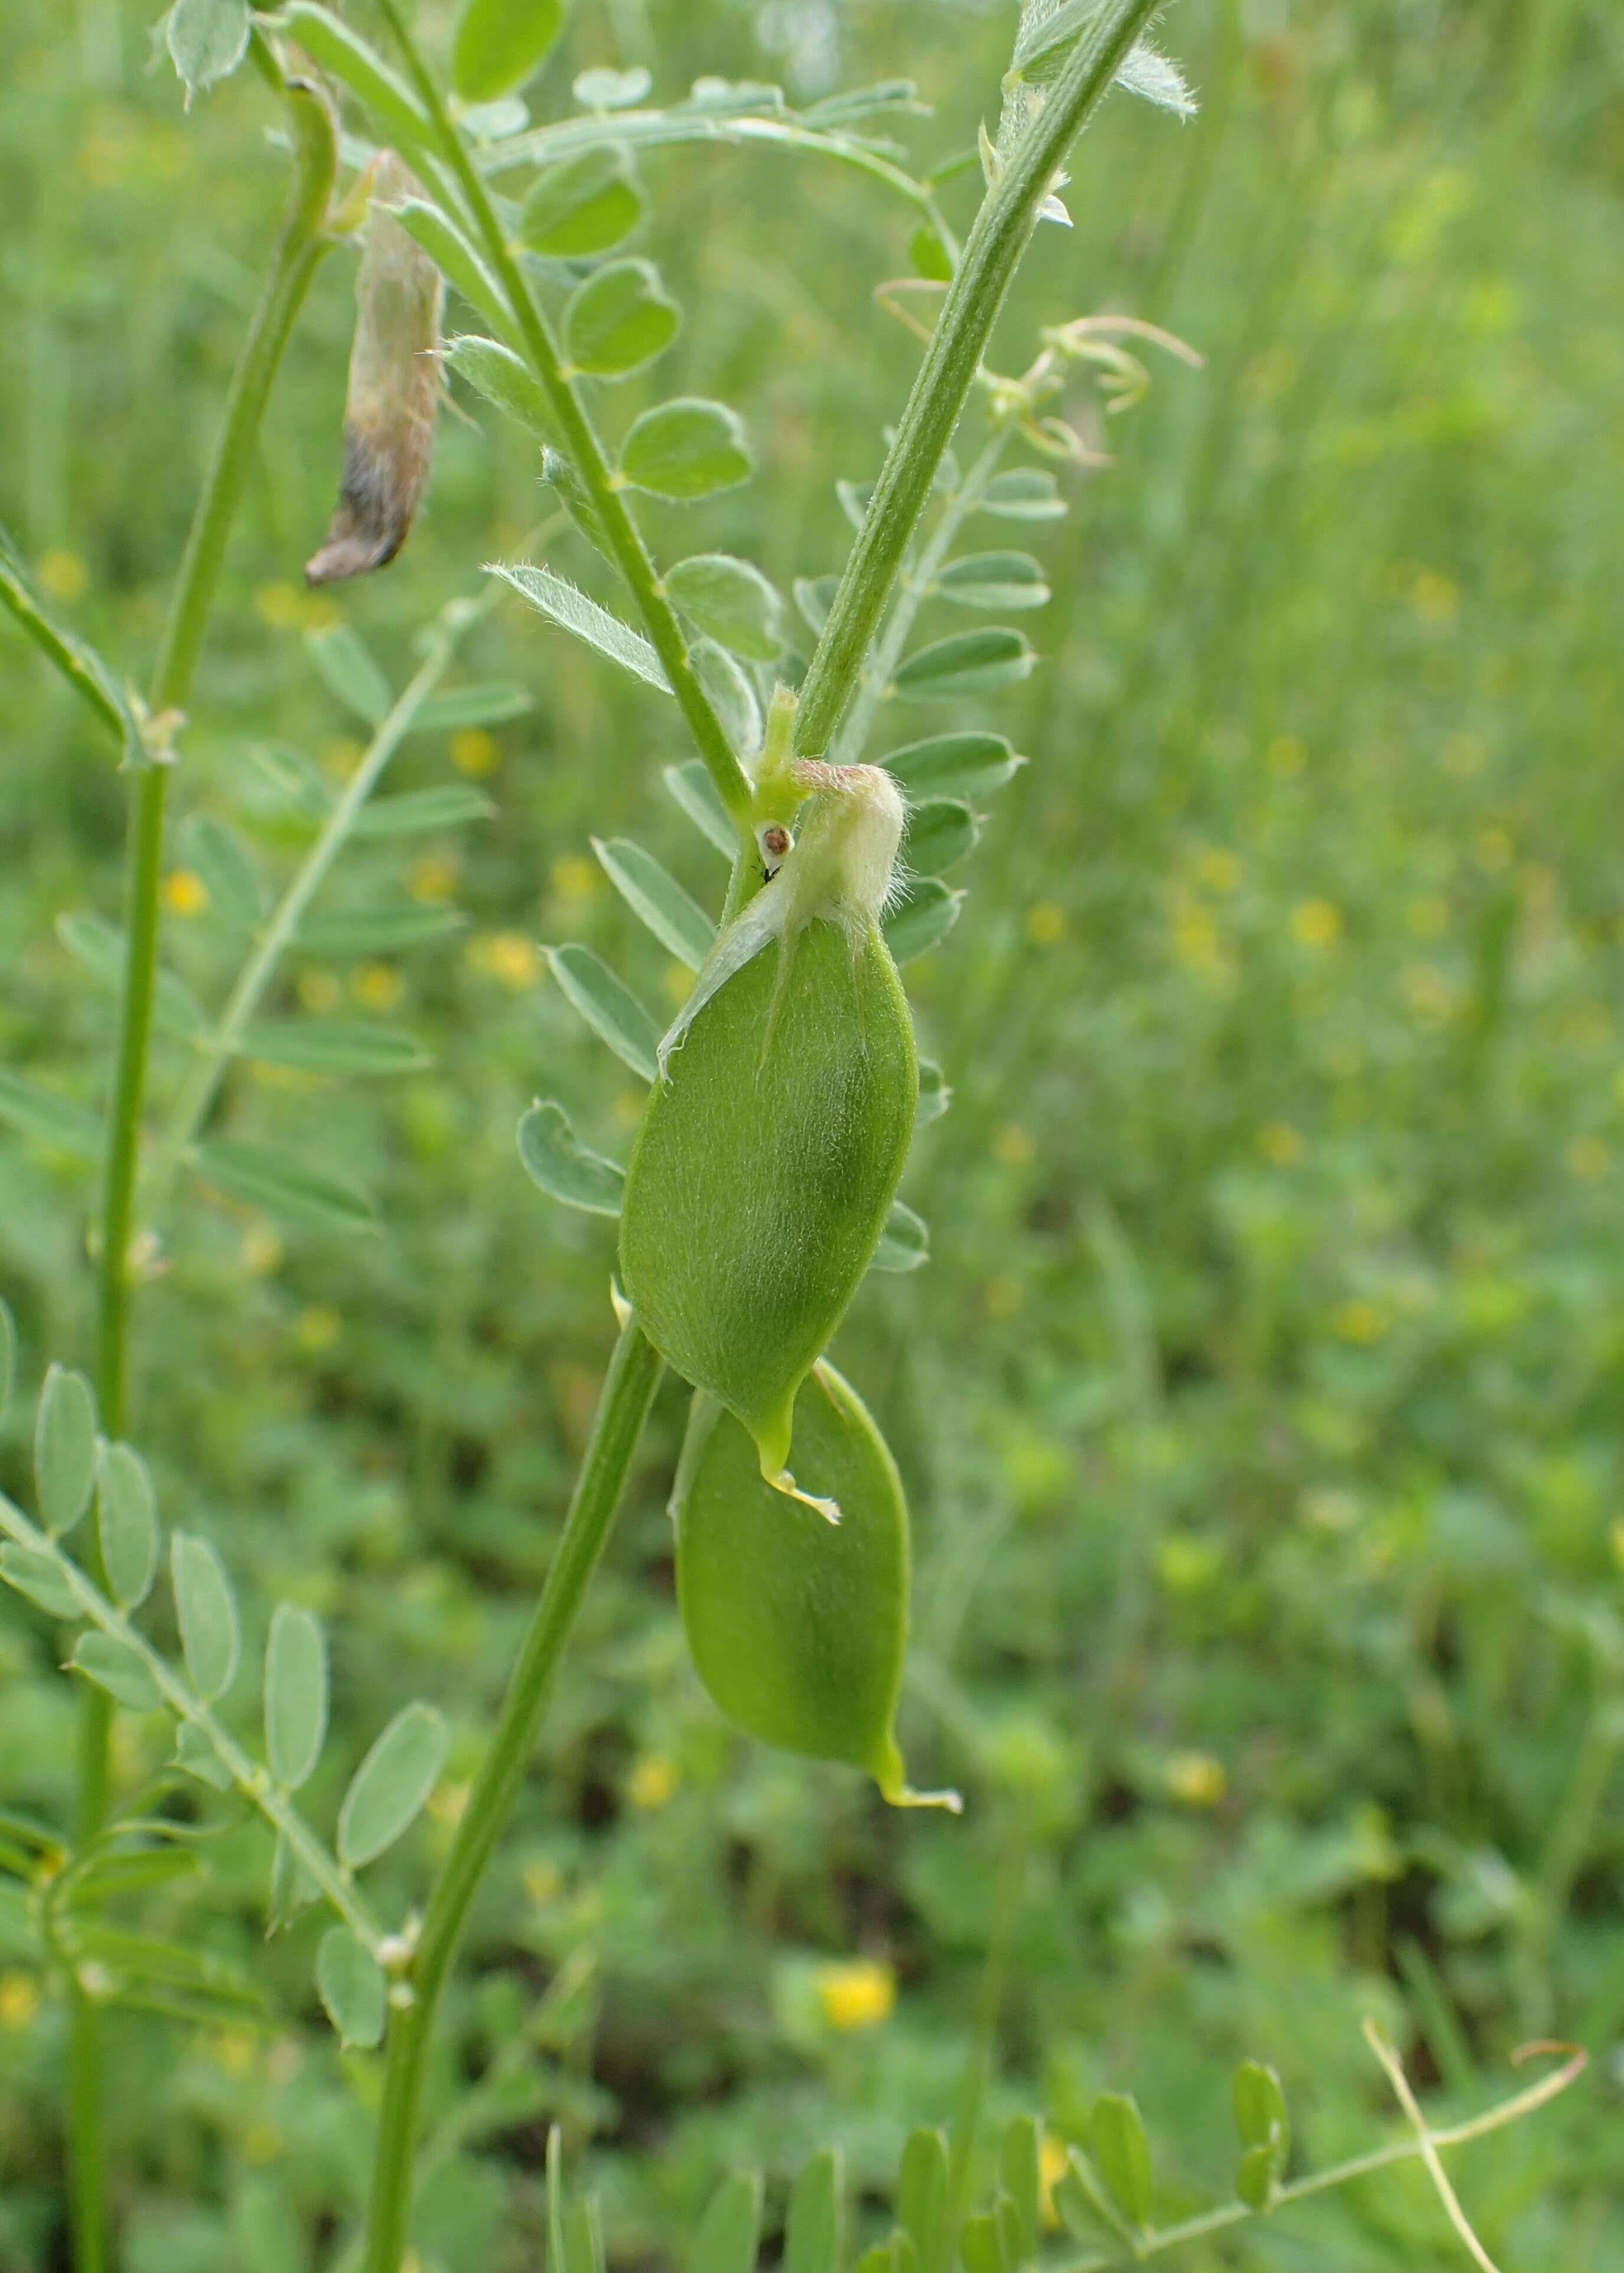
column 762, row 1183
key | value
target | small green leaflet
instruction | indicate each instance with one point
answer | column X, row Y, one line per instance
column 1023, row 493
column 491, row 703
column 993, row 580
column 49, row 1119
column 935, row 1096
column 696, row 792
column 64, row 1449
column 391, row 1784
column 921, row 2193
column 79, row 664
column 456, row 259
column 940, row 832
column 814, row 595
column 230, row 873
column 731, row 602
column 608, row 1005
column 207, row 1615
column 508, row 385
column 1021, row 2169
column 927, row 913
column 295, row 1694
column 812, row 2229
column 350, row 672
column 353, row 931
column 8, row 1359
column 117, row 1667
column 904, row 1243
column 348, row 57
column 556, row 1160
column 350, row 1984
column 127, row 1524
column 1121, row 2155
column 281, row 1184
column 730, row 694
column 603, row 89
column 968, row 664
column 585, row 205
column 685, row 449
column 42, row 1578
column 618, row 321
column 679, row 923
column 197, row 1757
column 101, row 949
column 969, row 765
column 206, row 40
column 572, row 609
column 334, row 1047
column 422, row 812
column 499, row 43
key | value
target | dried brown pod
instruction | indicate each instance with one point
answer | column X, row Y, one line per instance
column 393, row 391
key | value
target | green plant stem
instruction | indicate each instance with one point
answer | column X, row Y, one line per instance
column 586, row 451
column 629, row 1388
column 298, row 247
column 992, row 253
column 915, row 586
column 1424, row 2144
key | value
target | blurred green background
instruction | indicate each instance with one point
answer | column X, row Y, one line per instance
column 1262, row 1405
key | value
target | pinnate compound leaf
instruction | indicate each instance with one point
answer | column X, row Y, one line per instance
column 812, row 2230
column 64, row 1449
column 335, row 1045
column 1122, row 2154
column 656, row 899
column 556, row 1160
column 350, row 1984
column 507, row 384
column 608, row 1005
column 618, row 321
column 926, row 914
column 970, row 765
column 351, row 671
column 573, row 611
column 696, row 792
column 499, row 43
column 117, row 1667
column 1023, row 493
column 41, row 1579
column 730, row 602
column 968, row 664
column 585, row 205
column 206, row 1614
column 295, row 1694
column 49, row 1119
column 279, row 1183
column 994, row 580
column 206, row 40
column 127, row 1524
column 728, row 2231
column 391, row 1785
column 940, row 832
column 685, row 449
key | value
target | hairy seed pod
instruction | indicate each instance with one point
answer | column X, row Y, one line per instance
column 773, row 1139
column 394, row 391
column 797, row 1627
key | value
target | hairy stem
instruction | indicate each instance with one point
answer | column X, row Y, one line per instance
column 298, row 247
column 629, row 1388
column 992, row 253
column 585, row 449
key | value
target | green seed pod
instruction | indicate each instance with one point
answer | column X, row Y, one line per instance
column 796, row 1625
column 773, row 1139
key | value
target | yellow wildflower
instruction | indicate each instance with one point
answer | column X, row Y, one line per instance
column 856, row 1992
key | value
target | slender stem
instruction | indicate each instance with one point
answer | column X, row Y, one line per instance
column 629, row 1388
column 914, row 589
column 584, row 447
column 1155, row 2243
column 991, row 255
column 299, row 247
